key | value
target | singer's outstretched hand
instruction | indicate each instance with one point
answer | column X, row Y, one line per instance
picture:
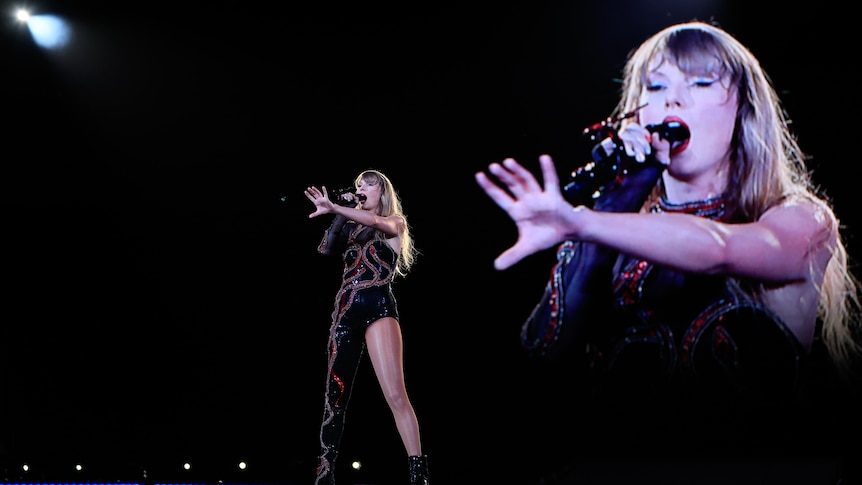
column 321, row 201
column 537, row 211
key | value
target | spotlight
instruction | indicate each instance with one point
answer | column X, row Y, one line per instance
column 49, row 31
column 22, row 15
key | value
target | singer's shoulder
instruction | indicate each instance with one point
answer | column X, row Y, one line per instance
column 803, row 213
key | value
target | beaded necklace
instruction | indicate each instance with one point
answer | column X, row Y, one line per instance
column 712, row 208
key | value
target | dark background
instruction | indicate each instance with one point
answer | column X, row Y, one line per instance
column 163, row 298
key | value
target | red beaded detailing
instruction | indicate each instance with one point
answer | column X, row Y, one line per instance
column 557, row 295
column 629, row 282
column 723, row 347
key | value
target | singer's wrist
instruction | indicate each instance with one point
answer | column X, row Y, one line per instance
column 575, row 222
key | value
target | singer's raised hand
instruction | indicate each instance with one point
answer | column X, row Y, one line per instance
column 320, row 199
column 539, row 213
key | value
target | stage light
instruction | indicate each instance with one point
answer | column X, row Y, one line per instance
column 49, row 31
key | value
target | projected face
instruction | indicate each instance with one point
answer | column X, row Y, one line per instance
column 705, row 102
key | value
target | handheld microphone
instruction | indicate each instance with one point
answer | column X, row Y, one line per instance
column 672, row 131
column 345, row 196
column 607, row 170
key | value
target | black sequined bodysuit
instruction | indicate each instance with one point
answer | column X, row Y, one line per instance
column 676, row 326
column 364, row 297
column 683, row 353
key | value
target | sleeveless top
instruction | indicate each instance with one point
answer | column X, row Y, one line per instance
column 365, row 294
column 671, row 328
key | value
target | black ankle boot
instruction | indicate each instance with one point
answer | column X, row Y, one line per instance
column 418, row 470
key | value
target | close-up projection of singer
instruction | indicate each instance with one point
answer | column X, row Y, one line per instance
column 702, row 289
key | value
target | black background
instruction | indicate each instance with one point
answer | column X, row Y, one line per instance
column 163, row 297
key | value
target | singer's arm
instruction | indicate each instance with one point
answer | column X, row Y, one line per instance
column 330, row 242
column 391, row 226
column 788, row 242
column 785, row 245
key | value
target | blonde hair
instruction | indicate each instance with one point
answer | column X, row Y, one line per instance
column 390, row 205
column 766, row 166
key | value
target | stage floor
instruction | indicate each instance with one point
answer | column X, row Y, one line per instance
column 578, row 472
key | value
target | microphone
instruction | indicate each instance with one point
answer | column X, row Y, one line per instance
column 345, row 196
column 672, row 131
column 605, row 171
column 348, row 197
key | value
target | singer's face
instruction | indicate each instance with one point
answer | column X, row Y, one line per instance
column 705, row 103
column 371, row 191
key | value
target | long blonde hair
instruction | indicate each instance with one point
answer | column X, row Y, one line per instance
column 390, row 205
column 767, row 165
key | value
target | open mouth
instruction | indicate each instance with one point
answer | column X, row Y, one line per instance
column 679, row 134
column 678, row 148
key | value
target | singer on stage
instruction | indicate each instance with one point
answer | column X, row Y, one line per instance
column 703, row 288
column 371, row 234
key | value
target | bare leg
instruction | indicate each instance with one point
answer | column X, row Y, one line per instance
column 384, row 344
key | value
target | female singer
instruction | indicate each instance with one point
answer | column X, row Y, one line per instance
column 371, row 234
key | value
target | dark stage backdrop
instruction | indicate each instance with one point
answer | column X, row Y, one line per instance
column 163, row 298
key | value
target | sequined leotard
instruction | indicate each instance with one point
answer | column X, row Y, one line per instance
column 677, row 360
column 364, row 297
column 678, row 328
